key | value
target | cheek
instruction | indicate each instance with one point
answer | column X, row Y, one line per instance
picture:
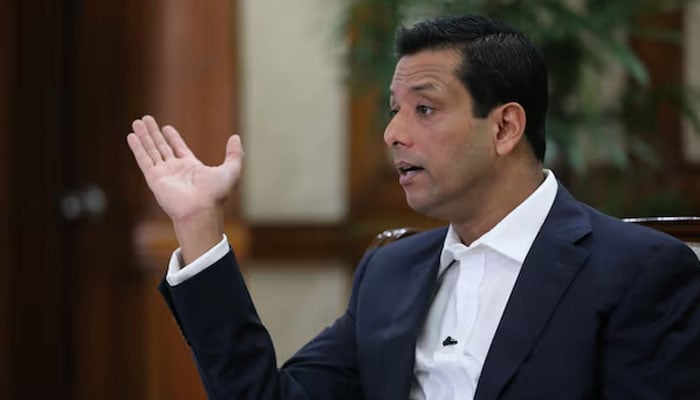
column 457, row 144
column 467, row 153
column 453, row 142
column 449, row 161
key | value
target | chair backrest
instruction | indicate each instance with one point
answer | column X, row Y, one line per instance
column 391, row 235
column 686, row 229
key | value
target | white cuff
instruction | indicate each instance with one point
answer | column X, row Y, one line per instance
column 178, row 274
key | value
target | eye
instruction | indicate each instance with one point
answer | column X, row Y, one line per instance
column 393, row 112
column 424, row 110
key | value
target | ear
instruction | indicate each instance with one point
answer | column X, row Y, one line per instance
column 509, row 124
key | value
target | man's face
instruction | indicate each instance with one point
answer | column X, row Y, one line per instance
column 443, row 154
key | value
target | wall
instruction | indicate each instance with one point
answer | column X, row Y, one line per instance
column 293, row 120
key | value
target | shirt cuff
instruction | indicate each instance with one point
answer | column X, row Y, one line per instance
column 178, row 274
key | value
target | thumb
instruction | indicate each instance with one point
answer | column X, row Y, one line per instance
column 234, row 149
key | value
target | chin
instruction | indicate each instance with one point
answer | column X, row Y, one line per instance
column 425, row 207
column 421, row 207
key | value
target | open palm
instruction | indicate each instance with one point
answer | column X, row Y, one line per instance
column 181, row 183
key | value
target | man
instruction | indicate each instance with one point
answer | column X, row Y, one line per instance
column 527, row 294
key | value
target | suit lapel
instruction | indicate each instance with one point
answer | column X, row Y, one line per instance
column 547, row 271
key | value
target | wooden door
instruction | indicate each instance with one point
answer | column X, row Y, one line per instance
column 35, row 325
column 72, row 327
column 82, row 244
column 99, row 200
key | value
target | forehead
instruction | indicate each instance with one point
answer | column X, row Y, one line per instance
column 431, row 69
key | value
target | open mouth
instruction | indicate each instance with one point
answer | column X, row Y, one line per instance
column 407, row 169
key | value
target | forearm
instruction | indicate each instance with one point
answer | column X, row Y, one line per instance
column 234, row 353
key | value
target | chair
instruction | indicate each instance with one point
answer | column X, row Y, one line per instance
column 686, row 229
column 391, row 235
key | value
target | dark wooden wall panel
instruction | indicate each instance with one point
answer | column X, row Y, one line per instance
column 37, row 328
column 7, row 49
column 80, row 317
column 190, row 74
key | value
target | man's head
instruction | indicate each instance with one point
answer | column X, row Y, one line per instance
column 498, row 65
column 466, row 134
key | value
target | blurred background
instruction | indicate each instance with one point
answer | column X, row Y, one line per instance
column 83, row 244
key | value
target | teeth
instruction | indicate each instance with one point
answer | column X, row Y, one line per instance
column 406, row 170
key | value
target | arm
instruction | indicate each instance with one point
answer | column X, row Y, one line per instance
column 651, row 346
column 232, row 349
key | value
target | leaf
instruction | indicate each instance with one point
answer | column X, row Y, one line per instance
column 629, row 60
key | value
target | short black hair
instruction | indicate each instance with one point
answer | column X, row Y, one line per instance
column 499, row 65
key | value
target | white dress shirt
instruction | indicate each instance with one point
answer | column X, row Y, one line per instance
column 474, row 281
column 474, row 284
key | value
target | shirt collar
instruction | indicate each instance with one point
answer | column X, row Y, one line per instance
column 513, row 235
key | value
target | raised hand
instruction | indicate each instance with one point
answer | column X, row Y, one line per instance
column 191, row 193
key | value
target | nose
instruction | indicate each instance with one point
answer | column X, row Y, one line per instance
column 396, row 133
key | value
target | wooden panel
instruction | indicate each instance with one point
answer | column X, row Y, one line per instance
column 304, row 242
column 189, row 73
column 106, row 341
column 77, row 308
column 7, row 38
column 192, row 70
column 37, row 327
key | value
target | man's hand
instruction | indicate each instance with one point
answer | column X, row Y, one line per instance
column 191, row 193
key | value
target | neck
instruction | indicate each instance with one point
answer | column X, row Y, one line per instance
column 503, row 197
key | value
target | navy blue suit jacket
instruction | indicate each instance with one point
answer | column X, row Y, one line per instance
column 601, row 309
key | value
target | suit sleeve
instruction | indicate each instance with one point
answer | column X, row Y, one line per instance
column 651, row 346
column 233, row 350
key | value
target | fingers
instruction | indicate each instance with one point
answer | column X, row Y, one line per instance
column 143, row 160
column 149, row 146
column 154, row 131
column 233, row 163
column 176, row 142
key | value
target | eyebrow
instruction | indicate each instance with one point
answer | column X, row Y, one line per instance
column 428, row 86
column 423, row 87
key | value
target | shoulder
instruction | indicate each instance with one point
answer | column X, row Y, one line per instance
column 612, row 231
column 581, row 222
column 635, row 253
column 617, row 251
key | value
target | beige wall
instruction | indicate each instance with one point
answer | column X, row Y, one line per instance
column 294, row 112
column 294, row 134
